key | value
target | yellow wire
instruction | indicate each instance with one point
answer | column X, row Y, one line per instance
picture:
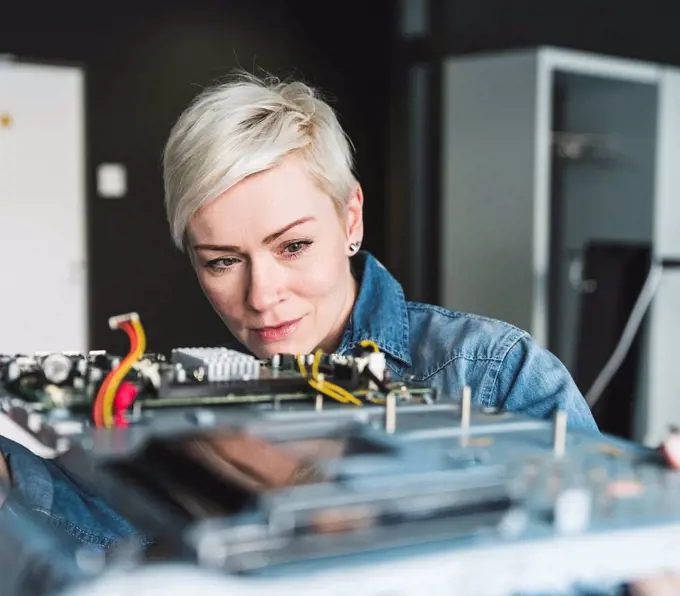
column 338, row 392
column 121, row 372
column 335, row 391
column 315, row 364
column 141, row 337
column 369, row 343
column 326, row 387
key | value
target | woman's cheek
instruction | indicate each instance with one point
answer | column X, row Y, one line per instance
column 320, row 279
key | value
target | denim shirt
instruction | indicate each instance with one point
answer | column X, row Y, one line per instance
column 502, row 364
column 424, row 343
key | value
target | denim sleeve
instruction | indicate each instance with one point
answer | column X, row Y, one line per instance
column 534, row 381
column 44, row 488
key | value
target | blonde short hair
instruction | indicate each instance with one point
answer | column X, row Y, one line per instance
column 244, row 126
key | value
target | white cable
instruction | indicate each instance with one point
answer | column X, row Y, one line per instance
column 629, row 332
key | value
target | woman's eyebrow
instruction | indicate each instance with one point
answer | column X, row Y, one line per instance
column 267, row 240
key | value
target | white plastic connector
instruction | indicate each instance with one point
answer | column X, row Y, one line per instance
column 151, row 371
column 375, row 362
column 115, row 322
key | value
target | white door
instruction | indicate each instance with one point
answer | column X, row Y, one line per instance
column 43, row 282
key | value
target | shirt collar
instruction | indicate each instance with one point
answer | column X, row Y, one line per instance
column 379, row 311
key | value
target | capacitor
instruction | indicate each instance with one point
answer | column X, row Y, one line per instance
column 180, row 373
column 12, row 371
column 57, row 368
column 81, row 365
column 96, row 374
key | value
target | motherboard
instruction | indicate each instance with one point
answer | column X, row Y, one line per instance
column 320, row 473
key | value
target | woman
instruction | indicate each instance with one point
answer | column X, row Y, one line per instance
column 260, row 193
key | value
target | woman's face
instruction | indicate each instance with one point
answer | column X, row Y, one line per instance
column 271, row 255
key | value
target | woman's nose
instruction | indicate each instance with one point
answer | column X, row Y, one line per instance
column 266, row 286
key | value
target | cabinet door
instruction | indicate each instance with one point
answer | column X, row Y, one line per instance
column 43, row 285
column 661, row 406
column 495, row 135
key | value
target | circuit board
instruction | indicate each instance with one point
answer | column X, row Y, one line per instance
column 54, row 396
column 319, row 473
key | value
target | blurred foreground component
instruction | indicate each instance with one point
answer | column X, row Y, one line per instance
column 301, row 474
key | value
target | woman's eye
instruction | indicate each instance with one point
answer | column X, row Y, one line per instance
column 294, row 247
column 297, row 247
column 220, row 264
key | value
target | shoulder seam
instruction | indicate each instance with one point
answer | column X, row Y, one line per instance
column 502, row 361
column 75, row 530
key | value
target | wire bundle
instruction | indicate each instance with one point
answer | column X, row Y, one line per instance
column 326, row 387
column 103, row 410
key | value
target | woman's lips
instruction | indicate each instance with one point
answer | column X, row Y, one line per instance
column 277, row 333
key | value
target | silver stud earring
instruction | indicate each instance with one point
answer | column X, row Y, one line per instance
column 354, row 246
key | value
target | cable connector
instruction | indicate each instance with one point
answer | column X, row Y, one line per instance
column 118, row 320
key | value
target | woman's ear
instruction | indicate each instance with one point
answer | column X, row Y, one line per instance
column 354, row 220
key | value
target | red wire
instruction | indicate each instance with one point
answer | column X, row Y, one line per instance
column 125, row 396
column 97, row 410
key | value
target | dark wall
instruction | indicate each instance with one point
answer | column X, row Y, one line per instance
column 142, row 69
column 642, row 30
